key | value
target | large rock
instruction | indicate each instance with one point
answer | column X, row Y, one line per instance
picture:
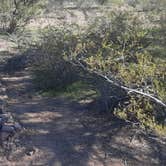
column 4, row 117
column 8, row 129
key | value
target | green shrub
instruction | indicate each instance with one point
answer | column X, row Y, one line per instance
column 50, row 69
column 118, row 50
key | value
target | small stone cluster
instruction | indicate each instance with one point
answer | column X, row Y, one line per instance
column 8, row 127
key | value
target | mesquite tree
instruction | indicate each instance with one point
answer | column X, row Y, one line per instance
column 117, row 51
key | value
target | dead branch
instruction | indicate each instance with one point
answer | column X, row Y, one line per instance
column 129, row 90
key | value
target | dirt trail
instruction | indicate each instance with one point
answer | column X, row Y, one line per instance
column 53, row 134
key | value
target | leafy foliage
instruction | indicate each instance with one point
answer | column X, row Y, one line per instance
column 50, row 69
column 118, row 50
column 16, row 13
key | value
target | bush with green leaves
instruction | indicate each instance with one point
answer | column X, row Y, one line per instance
column 50, row 70
column 117, row 51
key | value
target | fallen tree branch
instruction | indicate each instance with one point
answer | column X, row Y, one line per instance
column 129, row 90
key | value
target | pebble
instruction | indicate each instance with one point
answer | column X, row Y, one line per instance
column 30, row 151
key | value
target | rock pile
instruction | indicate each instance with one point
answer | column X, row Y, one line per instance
column 8, row 127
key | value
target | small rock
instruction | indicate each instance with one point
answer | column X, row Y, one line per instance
column 3, row 97
column 9, row 129
column 5, row 117
column 30, row 151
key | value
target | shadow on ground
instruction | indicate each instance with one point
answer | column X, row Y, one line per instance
column 64, row 133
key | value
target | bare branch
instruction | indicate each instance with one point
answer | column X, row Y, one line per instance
column 129, row 90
